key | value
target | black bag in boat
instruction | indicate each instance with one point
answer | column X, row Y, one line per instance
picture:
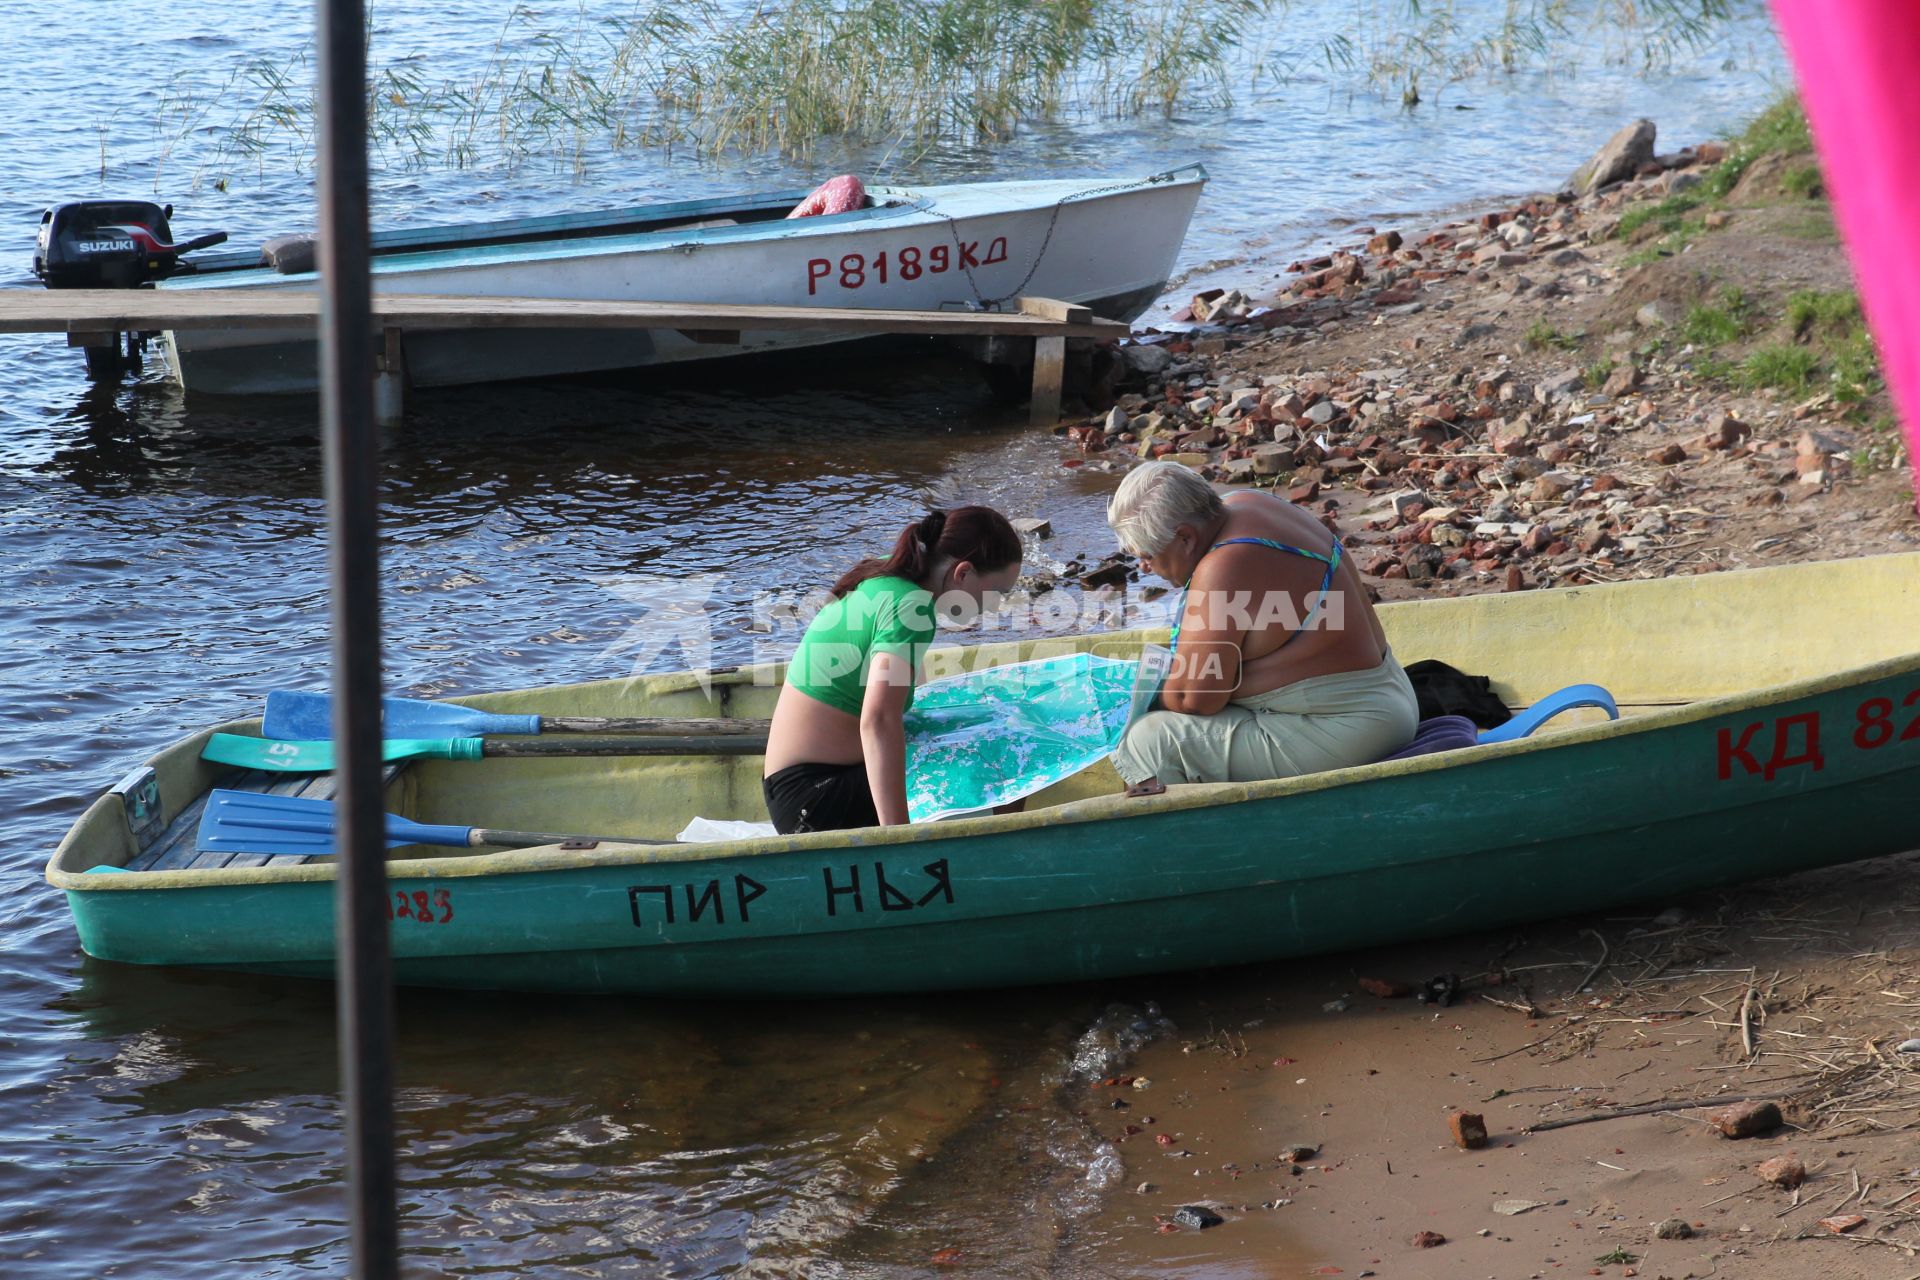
column 1445, row 691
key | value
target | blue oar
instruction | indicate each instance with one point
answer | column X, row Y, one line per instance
column 297, row 715
column 248, row 822
column 277, row 755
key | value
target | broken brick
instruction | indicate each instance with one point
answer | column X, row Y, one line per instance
column 1744, row 1119
column 1784, row 1172
column 1469, row 1129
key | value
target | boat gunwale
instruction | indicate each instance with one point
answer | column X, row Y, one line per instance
column 1092, row 809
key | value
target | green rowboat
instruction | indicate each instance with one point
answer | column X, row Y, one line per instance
column 1770, row 723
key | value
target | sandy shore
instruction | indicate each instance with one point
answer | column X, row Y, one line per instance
column 1590, row 1017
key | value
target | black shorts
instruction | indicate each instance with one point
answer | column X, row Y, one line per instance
column 819, row 797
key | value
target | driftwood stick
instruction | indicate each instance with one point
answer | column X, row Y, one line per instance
column 1655, row 1108
column 1599, row 964
column 1531, row 1044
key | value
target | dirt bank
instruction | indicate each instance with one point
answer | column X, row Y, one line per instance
column 1666, row 376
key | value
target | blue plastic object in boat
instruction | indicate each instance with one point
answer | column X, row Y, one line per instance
column 1574, row 695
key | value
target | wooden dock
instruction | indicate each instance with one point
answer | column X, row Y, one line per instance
column 97, row 317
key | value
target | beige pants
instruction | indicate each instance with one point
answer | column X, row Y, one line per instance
column 1309, row 726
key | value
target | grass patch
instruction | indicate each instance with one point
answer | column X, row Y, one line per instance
column 1669, row 215
column 1544, row 336
column 1810, row 310
column 1716, row 325
column 1814, row 223
column 1781, row 128
column 1804, row 181
column 1780, row 368
column 1596, row 375
column 1833, row 321
column 1618, row 1258
column 1829, row 344
column 1856, row 368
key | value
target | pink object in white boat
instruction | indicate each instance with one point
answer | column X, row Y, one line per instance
column 843, row 194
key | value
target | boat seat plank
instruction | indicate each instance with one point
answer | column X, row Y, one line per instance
column 174, row 849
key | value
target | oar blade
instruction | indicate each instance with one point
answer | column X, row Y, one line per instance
column 268, row 754
column 297, row 715
column 274, row 755
column 294, row 714
column 250, row 822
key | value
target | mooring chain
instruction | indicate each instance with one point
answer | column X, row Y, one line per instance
column 983, row 303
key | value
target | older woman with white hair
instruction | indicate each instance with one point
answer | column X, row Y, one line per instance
column 1280, row 665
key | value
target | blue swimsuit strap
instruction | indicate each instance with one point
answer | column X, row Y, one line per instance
column 1331, row 560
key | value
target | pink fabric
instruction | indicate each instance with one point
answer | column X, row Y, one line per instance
column 1858, row 64
column 843, row 194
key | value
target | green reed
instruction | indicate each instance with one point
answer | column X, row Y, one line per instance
column 558, row 86
column 1401, row 44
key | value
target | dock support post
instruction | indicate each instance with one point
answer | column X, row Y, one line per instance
column 390, row 382
column 1049, row 371
column 350, row 450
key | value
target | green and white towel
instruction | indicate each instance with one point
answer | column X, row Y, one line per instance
column 990, row 737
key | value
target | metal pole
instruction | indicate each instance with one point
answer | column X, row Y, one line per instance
column 352, row 461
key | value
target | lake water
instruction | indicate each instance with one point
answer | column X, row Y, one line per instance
column 162, row 565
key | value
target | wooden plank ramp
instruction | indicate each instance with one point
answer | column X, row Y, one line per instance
column 88, row 311
column 97, row 318
column 173, row 849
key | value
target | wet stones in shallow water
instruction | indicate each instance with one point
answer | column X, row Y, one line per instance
column 1197, row 1216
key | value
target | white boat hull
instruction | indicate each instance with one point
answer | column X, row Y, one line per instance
column 1110, row 245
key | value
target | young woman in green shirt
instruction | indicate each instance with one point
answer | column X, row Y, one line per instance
column 837, row 751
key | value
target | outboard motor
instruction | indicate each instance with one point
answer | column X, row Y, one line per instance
column 111, row 244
